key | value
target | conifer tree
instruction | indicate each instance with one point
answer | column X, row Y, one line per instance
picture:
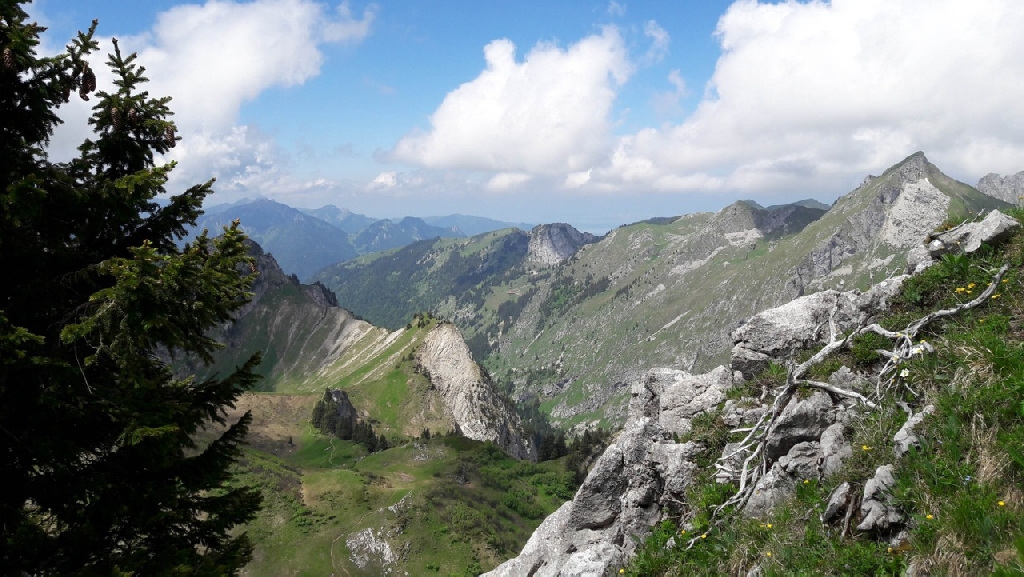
column 101, row 471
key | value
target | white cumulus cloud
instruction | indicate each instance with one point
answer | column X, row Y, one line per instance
column 577, row 179
column 214, row 57
column 807, row 92
column 546, row 114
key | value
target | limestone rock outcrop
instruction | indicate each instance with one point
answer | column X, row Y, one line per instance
column 898, row 208
column 685, row 396
column 551, row 244
column 907, row 436
column 480, row 412
column 877, row 511
column 781, row 331
column 968, row 237
column 640, row 475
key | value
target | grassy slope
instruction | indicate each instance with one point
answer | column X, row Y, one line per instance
column 962, row 490
column 421, row 276
column 319, row 491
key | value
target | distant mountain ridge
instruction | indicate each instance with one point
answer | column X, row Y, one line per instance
column 1006, row 188
column 342, row 218
column 306, row 240
column 303, row 243
column 473, row 225
column 386, row 234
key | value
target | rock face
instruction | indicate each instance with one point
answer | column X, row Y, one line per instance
column 641, row 474
column 969, row 236
column 907, row 436
column 370, row 551
column 347, row 414
column 1006, row 188
column 684, row 396
column 551, row 244
column 878, row 514
column 779, row 332
column 474, row 404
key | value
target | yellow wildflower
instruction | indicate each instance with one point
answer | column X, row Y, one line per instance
column 769, row 553
column 865, row 447
column 704, row 536
column 769, row 525
column 960, row 289
column 971, row 285
column 621, row 571
column 929, row 517
column 806, row 481
column 1005, row 281
column 889, row 549
column 995, row 296
column 1002, row 503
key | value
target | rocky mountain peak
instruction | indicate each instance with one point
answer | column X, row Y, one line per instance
column 1006, row 188
column 480, row 412
column 867, row 232
column 551, row 244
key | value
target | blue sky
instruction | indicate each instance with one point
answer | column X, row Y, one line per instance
column 593, row 113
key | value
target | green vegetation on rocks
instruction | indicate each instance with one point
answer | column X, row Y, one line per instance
column 957, row 489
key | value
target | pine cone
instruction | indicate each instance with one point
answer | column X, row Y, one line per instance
column 89, row 80
column 133, row 116
column 9, row 62
column 67, row 93
column 169, row 137
column 115, row 119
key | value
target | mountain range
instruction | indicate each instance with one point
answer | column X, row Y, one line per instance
column 574, row 332
column 306, row 240
column 481, row 334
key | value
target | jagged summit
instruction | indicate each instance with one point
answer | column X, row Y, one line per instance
column 551, row 244
column 1006, row 188
column 867, row 232
column 472, row 402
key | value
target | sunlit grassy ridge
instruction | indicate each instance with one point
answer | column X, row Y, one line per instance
column 962, row 492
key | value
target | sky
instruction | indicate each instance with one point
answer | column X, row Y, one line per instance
column 588, row 112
